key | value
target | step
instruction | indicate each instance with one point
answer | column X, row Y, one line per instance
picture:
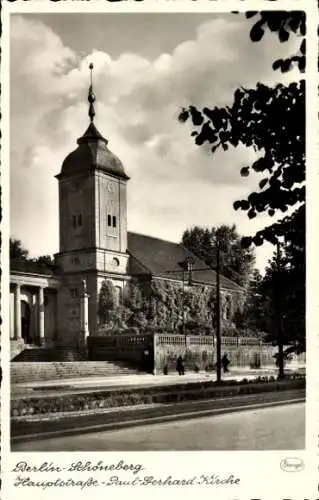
column 49, row 354
column 39, row 371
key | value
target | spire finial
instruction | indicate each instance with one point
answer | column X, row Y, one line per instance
column 91, row 96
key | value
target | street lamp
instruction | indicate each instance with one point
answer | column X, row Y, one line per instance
column 188, row 265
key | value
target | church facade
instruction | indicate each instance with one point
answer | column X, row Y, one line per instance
column 58, row 305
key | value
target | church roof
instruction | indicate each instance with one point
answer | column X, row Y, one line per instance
column 163, row 259
column 31, row 267
column 92, row 153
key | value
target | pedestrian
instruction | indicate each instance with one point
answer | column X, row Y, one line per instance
column 225, row 362
column 180, row 366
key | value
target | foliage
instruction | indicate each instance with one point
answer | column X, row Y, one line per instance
column 275, row 303
column 283, row 293
column 253, row 315
column 132, row 296
column 17, row 250
column 107, row 302
column 282, row 23
column 159, row 306
column 35, row 409
column 272, row 120
column 165, row 306
column 45, row 259
column 235, row 261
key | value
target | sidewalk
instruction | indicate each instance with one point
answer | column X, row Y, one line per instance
column 134, row 381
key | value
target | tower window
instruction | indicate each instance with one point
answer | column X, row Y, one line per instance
column 74, row 293
column 109, row 220
column 77, row 220
column 114, row 221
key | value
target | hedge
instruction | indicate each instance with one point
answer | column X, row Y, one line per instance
column 150, row 395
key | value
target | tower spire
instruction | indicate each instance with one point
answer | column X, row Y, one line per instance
column 91, row 96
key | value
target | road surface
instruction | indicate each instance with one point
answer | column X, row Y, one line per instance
column 274, row 428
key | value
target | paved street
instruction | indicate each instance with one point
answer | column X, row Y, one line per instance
column 280, row 427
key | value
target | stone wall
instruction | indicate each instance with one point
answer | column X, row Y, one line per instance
column 136, row 349
column 195, row 351
column 155, row 352
column 200, row 352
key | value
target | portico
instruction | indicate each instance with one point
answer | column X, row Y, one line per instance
column 33, row 308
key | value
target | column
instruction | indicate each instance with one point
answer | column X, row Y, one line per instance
column 17, row 313
column 41, row 315
column 84, row 305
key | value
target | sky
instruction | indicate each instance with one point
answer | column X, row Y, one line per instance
column 146, row 68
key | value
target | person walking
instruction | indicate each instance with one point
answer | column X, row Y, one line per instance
column 225, row 363
column 180, row 366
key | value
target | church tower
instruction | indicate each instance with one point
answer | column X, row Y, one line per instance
column 93, row 226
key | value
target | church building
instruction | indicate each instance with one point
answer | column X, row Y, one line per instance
column 58, row 305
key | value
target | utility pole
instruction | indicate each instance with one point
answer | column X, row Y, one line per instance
column 278, row 313
column 218, row 339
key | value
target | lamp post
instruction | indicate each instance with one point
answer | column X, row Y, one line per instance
column 218, row 338
column 188, row 265
column 278, row 315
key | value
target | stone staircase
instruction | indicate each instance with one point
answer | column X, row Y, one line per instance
column 18, row 346
column 40, row 355
column 22, row 372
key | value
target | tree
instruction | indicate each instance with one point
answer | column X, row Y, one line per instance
column 45, row 259
column 133, row 296
column 107, row 301
column 253, row 312
column 285, row 301
column 272, row 120
column 17, row 250
column 236, row 262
